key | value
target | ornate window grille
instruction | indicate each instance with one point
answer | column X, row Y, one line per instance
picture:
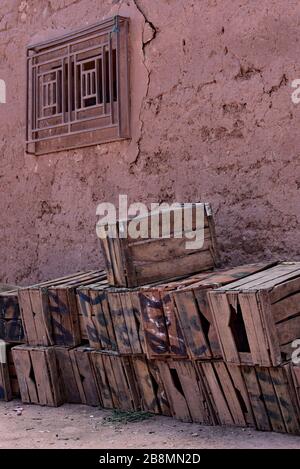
column 78, row 88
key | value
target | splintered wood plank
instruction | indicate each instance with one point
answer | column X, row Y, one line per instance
column 162, row 397
column 175, row 334
column 255, row 394
column 255, row 328
column 229, row 393
column 222, row 315
column 238, row 382
column 176, row 398
column 148, row 396
column 188, row 316
column 205, row 312
column 286, row 401
column 196, row 400
column 155, row 330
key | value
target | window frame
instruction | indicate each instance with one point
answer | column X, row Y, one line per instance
column 60, row 88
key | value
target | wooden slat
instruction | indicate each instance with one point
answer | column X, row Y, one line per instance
column 255, row 395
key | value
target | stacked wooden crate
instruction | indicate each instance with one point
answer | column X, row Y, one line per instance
column 257, row 321
column 165, row 330
column 54, row 365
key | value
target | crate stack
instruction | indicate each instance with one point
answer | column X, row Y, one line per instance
column 164, row 329
column 50, row 366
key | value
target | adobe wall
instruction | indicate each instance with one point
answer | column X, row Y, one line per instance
column 212, row 120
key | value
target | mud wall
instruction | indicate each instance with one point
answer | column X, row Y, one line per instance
column 212, row 120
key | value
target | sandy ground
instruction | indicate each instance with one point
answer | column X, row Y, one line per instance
column 77, row 426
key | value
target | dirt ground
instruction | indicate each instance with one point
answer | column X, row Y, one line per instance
column 78, row 426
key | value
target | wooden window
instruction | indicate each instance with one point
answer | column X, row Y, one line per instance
column 78, row 88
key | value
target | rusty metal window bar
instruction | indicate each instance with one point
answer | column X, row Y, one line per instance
column 78, row 88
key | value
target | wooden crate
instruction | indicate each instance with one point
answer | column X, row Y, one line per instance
column 176, row 317
column 186, row 392
column 11, row 327
column 227, row 392
column 50, row 312
column 131, row 262
column 257, row 318
column 37, row 375
column 273, row 398
column 83, row 370
column 112, row 317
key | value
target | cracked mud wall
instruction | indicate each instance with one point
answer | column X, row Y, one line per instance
column 212, row 120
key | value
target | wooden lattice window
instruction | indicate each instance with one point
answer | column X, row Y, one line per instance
column 78, row 88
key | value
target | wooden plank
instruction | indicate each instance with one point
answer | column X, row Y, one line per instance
column 102, row 380
column 27, row 317
column 119, row 323
column 286, row 400
column 175, row 334
column 149, row 401
column 188, row 315
column 205, row 312
column 289, row 330
column 176, row 398
column 199, row 408
column 254, row 328
column 221, row 311
column 84, row 375
column 69, row 386
column 281, row 291
column 162, row 397
column 255, row 395
column 185, row 265
column 270, row 399
column 224, row 413
column 155, row 330
column 289, row 306
column 130, row 321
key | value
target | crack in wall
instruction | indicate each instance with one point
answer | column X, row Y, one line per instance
column 145, row 43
